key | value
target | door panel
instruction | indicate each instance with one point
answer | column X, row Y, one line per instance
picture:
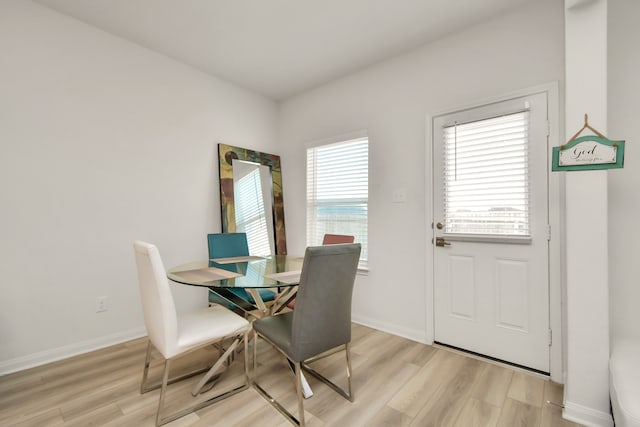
column 462, row 287
column 491, row 291
column 512, row 301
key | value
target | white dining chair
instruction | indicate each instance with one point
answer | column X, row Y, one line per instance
column 175, row 334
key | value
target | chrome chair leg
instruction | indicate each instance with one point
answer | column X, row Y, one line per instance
column 347, row 394
column 144, row 387
column 163, row 391
column 247, row 376
column 298, row 367
column 300, row 397
column 226, row 357
column 255, row 357
column 267, row 396
column 145, row 372
column 160, row 420
column 348, row 351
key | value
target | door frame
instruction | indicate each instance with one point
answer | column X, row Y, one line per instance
column 556, row 314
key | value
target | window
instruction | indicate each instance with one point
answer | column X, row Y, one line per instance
column 486, row 177
column 338, row 191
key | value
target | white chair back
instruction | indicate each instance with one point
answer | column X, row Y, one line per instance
column 157, row 302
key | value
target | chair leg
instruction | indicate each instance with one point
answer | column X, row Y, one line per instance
column 348, row 353
column 144, row 387
column 247, row 377
column 344, row 393
column 254, row 371
column 145, row 372
column 166, row 381
column 163, row 391
column 297, row 368
column 299, row 395
column 226, row 356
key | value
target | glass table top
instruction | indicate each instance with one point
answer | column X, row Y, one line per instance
column 242, row 274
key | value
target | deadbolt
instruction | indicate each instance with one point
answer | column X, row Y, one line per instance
column 439, row 226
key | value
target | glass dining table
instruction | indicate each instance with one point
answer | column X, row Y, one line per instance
column 250, row 273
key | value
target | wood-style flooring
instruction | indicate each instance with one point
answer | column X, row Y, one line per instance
column 397, row 382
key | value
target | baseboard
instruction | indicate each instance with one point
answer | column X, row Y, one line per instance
column 55, row 354
column 586, row 416
column 417, row 335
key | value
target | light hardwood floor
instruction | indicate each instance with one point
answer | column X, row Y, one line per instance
column 397, row 382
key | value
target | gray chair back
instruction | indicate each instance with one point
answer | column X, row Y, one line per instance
column 322, row 318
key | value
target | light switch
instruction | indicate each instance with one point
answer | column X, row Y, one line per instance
column 399, row 195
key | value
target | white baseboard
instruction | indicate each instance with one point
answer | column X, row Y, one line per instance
column 586, row 416
column 417, row 335
column 55, row 354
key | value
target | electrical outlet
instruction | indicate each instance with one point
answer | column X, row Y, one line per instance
column 101, row 304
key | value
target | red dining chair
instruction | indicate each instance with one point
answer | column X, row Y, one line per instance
column 328, row 239
column 333, row 239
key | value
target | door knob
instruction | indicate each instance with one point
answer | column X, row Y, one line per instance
column 441, row 242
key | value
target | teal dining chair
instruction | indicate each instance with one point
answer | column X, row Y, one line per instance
column 227, row 245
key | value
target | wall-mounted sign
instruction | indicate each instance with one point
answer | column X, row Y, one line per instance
column 590, row 152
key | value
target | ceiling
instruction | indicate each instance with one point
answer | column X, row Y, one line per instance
column 279, row 48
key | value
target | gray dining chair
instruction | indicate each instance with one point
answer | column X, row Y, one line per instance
column 321, row 323
column 174, row 334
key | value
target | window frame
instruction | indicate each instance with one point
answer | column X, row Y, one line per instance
column 363, row 266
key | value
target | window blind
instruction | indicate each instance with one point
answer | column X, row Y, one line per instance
column 338, row 191
column 486, row 182
column 250, row 213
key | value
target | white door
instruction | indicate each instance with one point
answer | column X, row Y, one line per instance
column 490, row 198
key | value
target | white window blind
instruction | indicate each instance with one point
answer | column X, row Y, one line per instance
column 250, row 213
column 486, row 177
column 338, row 191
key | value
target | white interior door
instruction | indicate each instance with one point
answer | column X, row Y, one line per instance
column 491, row 233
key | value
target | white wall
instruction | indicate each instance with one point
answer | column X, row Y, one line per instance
column 624, row 184
column 586, row 392
column 102, row 142
column 391, row 100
